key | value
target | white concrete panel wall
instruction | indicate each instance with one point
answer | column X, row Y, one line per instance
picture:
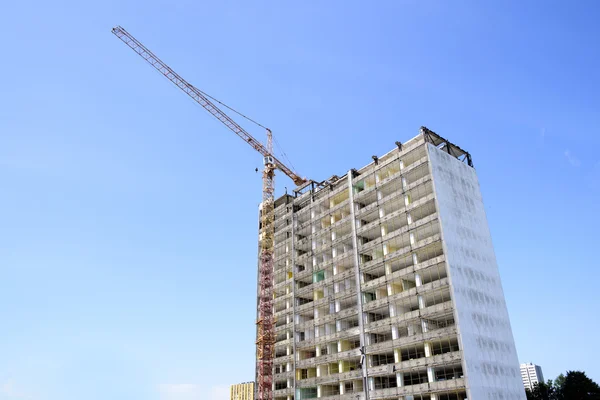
column 490, row 365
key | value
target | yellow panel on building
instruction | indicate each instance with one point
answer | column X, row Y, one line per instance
column 242, row 391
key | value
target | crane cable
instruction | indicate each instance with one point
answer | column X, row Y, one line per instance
column 282, row 152
column 235, row 111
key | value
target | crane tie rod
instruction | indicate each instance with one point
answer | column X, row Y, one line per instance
column 200, row 98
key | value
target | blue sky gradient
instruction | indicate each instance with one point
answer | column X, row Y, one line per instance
column 129, row 215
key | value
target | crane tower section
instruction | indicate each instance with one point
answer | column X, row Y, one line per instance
column 265, row 337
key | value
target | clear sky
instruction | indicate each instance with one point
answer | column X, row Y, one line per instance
column 129, row 215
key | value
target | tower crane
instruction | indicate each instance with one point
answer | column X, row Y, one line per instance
column 265, row 340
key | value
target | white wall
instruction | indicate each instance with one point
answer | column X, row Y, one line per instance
column 491, row 366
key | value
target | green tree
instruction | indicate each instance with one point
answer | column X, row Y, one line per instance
column 577, row 386
column 541, row 391
column 559, row 381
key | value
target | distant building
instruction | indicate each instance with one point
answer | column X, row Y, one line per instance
column 531, row 374
column 242, row 391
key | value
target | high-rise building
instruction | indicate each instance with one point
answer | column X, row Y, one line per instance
column 386, row 284
column 531, row 374
column 242, row 391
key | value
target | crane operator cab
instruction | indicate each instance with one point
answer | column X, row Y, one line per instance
column 269, row 160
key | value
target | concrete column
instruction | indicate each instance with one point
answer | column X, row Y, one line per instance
column 411, row 330
column 415, row 258
column 379, row 195
column 388, row 269
column 392, row 310
column 401, row 164
column 318, row 351
column 381, row 212
column 412, row 238
column 397, row 357
column 409, row 219
column 390, row 289
column 404, row 183
column 406, row 200
column 384, row 230
column 394, row 333
column 421, row 302
column 428, row 352
column 418, row 280
column 371, row 384
column 319, row 391
column 288, row 350
column 424, row 326
column 430, row 374
column 334, row 252
column 333, row 235
column 385, row 249
column 434, row 396
column 357, row 274
column 289, row 383
column 399, row 379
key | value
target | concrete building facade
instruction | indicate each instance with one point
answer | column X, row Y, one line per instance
column 531, row 374
column 386, row 284
column 242, row 391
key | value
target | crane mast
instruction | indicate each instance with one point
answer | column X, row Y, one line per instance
column 265, row 341
column 265, row 335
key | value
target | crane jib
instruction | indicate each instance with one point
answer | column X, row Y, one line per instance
column 197, row 96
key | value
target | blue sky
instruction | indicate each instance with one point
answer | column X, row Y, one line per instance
column 129, row 215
